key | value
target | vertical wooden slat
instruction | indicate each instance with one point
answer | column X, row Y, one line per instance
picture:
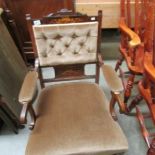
column 137, row 10
column 149, row 24
column 122, row 7
column 128, row 13
column 154, row 35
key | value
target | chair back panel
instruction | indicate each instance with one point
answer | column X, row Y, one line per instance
column 68, row 43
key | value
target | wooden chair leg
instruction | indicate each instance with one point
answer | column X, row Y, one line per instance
column 119, row 63
column 129, row 87
column 135, row 102
column 143, row 127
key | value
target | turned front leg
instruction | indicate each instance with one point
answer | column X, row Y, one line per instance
column 129, row 87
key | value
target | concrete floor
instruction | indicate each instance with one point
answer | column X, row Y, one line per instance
column 11, row 144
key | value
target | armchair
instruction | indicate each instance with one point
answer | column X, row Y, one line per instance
column 147, row 90
column 72, row 118
column 133, row 43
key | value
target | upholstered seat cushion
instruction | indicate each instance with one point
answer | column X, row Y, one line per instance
column 73, row 118
column 29, row 87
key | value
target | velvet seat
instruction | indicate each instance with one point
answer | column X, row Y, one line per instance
column 74, row 118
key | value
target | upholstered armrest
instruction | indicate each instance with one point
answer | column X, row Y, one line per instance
column 26, row 96
column 135, row 39
column 112, row 79
column 28, row 88
column 116, row 87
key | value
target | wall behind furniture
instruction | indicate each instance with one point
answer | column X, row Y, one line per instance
column 110, row 8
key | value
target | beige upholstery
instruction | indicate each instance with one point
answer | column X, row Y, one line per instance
column 66, row 43
column 74, row 120
column 112, row 79
column 28, row 88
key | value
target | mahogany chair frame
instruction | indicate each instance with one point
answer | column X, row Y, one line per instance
column 66, row 72
column 132, row 44
column 147, row 88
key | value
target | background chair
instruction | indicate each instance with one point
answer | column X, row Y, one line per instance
column 147, row 85
column 73, row 118
column 146, row 88
column 133, row 43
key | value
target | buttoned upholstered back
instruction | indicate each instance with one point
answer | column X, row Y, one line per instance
column 68, row 43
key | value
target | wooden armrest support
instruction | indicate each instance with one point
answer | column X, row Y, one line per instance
column 29, row 87
column 135, row 39
column 27, row 107
column 23, row 115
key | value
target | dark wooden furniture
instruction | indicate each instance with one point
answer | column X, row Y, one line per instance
column 15, row 12
column 7, row 117
column 133, row 43
column 73, row 118
column 12, row 73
